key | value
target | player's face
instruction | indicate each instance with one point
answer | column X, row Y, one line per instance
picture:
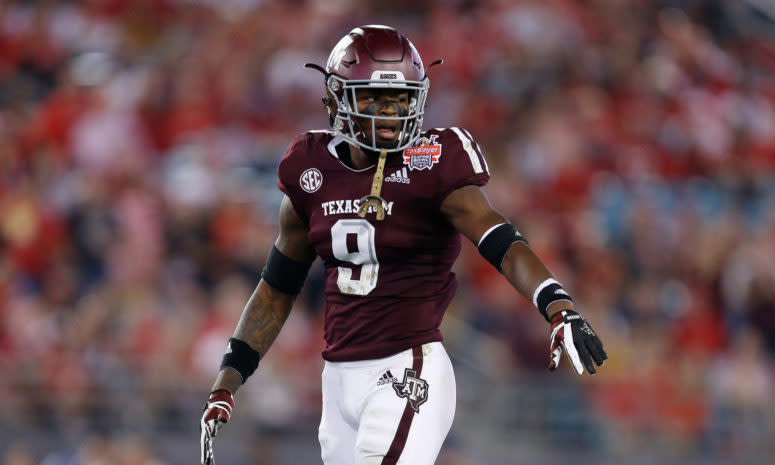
column 390, row 103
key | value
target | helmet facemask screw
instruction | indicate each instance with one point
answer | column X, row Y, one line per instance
column 333, row 83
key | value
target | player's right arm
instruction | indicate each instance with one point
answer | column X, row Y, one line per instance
column 261, row 320
column 268, row 307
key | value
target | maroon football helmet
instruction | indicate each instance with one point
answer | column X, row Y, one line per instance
column 374, row 57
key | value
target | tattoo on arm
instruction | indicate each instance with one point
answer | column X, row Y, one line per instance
column 261, row 321
column 263, row 317
column 267, row 309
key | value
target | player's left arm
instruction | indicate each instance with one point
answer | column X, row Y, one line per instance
column 469, row 211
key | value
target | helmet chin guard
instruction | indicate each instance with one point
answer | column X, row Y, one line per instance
column 374, row 57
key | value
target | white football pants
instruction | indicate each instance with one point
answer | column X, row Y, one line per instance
column 390, row 411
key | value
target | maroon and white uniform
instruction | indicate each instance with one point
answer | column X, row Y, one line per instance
column 388, row 386
column 388, row 283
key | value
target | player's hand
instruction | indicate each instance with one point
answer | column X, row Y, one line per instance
column 217, row 412
column 571, row 333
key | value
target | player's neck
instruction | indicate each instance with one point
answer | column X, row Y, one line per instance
column 360, row 159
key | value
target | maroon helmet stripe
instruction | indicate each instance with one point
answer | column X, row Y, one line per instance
column 402, row 433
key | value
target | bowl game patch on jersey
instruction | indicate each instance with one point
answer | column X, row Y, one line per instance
column 424, row 154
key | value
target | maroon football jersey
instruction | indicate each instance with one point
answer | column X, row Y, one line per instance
column 389, row 282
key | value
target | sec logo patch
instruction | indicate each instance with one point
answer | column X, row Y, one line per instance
column 311, row 180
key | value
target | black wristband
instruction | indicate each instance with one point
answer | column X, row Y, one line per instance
column 241, row 357
column 283, row 273
column 548, row 292
column 495, row 242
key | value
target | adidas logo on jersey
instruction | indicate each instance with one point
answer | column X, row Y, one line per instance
column 387, row 377
column 399, row 176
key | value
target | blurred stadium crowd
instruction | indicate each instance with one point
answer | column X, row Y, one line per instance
column 631, row 141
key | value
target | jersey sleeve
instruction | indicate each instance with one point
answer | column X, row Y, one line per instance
column 464, row 164
column 288, row 173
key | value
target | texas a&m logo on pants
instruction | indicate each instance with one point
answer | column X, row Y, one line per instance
column 413, row 388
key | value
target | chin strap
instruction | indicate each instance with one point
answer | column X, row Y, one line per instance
column 376, row 187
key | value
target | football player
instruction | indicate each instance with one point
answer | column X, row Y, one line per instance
column 384, row 203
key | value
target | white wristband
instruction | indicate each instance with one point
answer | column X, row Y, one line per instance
column 541, row 288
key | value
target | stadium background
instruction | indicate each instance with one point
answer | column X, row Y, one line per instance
column 632, row 141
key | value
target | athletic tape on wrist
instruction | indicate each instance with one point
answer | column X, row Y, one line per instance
column 496, row 241
column 283, row 273
column 241, row 357
column 548, row 292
